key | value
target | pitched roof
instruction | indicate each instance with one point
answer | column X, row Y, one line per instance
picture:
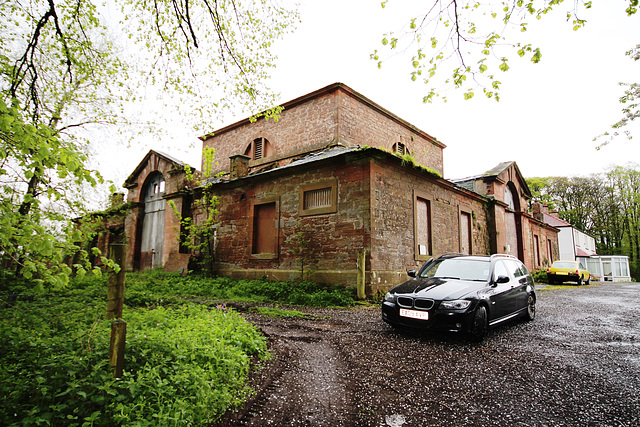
column 554, row 221
column 145, row 160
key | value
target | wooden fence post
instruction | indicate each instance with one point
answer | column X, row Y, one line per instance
column 115, row 302
column 115, row 285
column 117, row 346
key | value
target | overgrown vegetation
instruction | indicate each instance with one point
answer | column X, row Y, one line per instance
column 147, row 288
column 186, row 363
column 200, row 237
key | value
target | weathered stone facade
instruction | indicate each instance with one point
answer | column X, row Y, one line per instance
column 350, row 177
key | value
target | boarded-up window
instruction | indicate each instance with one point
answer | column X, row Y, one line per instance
column 316, row 199
column 264, row 229
column 465, row 233
column 423, row 227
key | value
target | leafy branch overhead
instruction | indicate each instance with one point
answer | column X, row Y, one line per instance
column 465, row 44
column 630, row 107
column 68, row 65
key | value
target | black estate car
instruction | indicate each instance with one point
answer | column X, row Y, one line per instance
column 462, row 293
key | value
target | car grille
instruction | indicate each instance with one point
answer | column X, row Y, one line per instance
column 419, row 303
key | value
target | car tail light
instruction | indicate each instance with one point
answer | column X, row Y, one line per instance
column 577, row 271
column 548, row 270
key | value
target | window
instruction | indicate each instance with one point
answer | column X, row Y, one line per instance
column 259, row 148
column 264, row 235
column 465, row 233
column 516, row 269
column 550, row 250
column 321, row 198
column 536, row 250
column 422, row 228
column 499, row 270
column 158, row 187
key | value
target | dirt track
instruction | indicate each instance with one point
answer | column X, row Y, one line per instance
column 578, row 363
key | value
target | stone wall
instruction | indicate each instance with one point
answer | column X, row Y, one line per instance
column 335, row 238
column 375, row 214
column 335, row 114
column 394, row 190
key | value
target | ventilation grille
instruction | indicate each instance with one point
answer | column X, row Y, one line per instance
column 319, row 198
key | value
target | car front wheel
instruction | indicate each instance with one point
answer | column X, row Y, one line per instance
column 479, row 325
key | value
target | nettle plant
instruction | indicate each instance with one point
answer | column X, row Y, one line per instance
column 200, row 236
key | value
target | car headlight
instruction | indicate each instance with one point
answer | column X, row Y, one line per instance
column 459, row 304
column 390, row 297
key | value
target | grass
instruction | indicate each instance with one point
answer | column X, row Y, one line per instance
column 186, row 363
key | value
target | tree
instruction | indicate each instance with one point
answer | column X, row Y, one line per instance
column 62, row 71
column 606, row 206
column 32, row 230
column 466, row 44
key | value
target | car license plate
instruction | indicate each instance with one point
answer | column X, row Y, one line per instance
column 422, row 315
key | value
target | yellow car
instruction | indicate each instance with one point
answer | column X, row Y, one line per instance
column 567, row 271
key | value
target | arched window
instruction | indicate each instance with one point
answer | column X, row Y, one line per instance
column 258, row 149
column 508, row 198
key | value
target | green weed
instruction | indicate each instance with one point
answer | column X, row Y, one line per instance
column 277, row 312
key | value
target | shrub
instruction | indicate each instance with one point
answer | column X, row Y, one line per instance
column 540, row 276
column 184, row 365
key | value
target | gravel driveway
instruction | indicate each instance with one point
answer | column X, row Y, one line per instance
column 577, row 364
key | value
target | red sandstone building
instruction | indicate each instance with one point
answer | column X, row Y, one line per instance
column 357, row 178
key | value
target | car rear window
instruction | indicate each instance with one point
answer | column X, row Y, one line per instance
column 564, row 264
column 459, row 268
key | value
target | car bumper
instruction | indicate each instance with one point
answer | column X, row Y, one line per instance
column 439, row 320
column 563, row 277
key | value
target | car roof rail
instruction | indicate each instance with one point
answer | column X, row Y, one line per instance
column 504, row 256
column 451, row 255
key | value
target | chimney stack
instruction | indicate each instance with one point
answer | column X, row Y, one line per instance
column 239, row 166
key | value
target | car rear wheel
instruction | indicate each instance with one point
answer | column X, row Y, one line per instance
column 531, row 308
column 479, row 325
column 580, row 281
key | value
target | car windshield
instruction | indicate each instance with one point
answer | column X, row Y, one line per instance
column 459, row 268
column 564, row 264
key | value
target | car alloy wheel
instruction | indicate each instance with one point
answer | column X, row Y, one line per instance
column 479, row 325
column 531, row 307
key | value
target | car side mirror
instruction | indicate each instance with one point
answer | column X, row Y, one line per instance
column 502, row 279
column 411, row 273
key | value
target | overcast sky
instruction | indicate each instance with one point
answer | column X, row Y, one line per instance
column 546, row 119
